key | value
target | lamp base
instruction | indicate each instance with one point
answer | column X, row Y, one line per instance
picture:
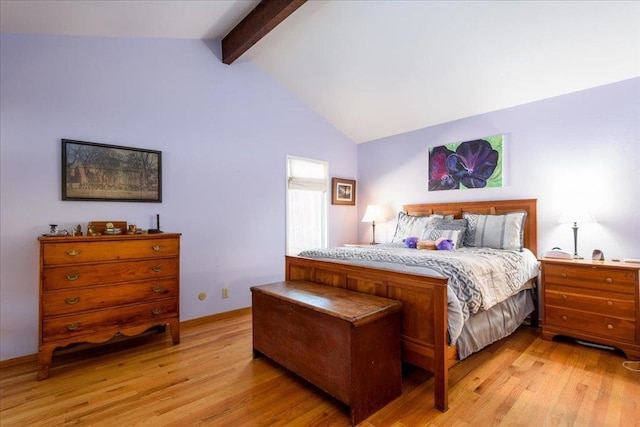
column 576, row 257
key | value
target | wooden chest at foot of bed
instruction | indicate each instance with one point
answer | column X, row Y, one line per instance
column 346, row 343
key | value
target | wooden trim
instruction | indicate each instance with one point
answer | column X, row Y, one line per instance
column 264, row 18
column 214, row 317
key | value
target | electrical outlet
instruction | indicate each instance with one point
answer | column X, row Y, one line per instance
column 225, row 292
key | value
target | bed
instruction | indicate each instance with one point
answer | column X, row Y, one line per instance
column 426, row 298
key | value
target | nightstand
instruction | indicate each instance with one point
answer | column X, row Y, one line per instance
column 596, row 301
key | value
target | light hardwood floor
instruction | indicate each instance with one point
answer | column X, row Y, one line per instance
column 210, row 378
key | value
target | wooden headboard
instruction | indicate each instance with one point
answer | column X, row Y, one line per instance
column 497, row 207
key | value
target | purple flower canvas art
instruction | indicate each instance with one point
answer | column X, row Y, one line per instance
column 469, row 164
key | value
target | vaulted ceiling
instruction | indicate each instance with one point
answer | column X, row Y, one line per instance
column 375, row 68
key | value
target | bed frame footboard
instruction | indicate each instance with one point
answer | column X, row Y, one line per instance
column 424, row 314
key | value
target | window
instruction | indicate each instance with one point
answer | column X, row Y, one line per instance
column 307, row 186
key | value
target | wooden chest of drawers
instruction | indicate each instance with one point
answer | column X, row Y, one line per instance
column 94, row 288
column 594, row 301
column 346, row 343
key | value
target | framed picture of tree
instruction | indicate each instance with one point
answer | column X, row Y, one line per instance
column 104, row 172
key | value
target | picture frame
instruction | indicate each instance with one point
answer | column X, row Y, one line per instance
column 343, row 191
column 104, row 172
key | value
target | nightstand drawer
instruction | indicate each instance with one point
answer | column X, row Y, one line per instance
column 578, row 321
column 617, row 305
column 592, row 277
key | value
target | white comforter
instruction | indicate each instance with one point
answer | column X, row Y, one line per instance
column 479, row 278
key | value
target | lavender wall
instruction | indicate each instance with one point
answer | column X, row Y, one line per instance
column 577, row 149
column 224, row 132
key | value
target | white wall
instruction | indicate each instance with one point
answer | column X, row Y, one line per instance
column 224, row 132
column 577, row 149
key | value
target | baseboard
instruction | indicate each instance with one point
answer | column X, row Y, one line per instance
column 83, row 346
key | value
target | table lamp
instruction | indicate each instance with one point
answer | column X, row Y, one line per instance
column 372, row 214
column 576, row 217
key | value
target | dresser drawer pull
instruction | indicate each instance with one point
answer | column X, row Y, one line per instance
column 73, row 252
column 609, row 280
column 564, row 317
column 609, row 326
column 73, row 326
column 157, row 248
column 72, row 301
column 158, row 289
column 564, row 296
column 563, row 275
column 609, row 302
column 72, row 276
column 156, row 311
column 156, row 268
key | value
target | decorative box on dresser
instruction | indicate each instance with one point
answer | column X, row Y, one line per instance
column 93, row 288
column 595, row 301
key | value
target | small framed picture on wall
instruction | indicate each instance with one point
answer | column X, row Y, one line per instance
column 343, row 191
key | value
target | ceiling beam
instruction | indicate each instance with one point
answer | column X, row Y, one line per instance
column 264, row 18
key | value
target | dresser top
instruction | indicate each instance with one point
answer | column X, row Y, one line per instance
column 592, row 263
column 103, row 237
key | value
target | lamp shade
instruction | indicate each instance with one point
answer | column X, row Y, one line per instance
column 374, row 213
column 576, row 216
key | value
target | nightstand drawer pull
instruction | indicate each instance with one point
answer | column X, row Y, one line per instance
column 609, row 280
column 564, row 317
column 72, row 301
column 73, row 252
column 157, row 248
column 156, row 311
column 73, row 326
column 609, row 326
column 158, row 289
column 564, row 296
column 156, row 268
column 609, row 302
column 563, row 275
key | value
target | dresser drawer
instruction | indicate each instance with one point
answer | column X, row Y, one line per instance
column 607, row 303
column 74, row 276
column 78, row 325
column 589, row 323
column 592, row 277
column 92, row 298
column 84, row 252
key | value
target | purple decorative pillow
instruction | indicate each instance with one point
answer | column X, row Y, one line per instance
column 411, row 242
column 445, row 245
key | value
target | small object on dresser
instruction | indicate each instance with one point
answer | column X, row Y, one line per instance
column 157, row 229
column 597, row 255
column 636, row 260
column 53, row 229
column 133, row 229
column 77, row 230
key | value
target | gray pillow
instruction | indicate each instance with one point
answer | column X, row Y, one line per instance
column 411, row 226
column 442, row 227
column 495, row 231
